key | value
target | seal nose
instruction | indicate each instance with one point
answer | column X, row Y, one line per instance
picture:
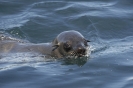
column 81, row 51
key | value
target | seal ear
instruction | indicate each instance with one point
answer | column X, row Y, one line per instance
column 55, row 47
column 55, row 44
column 88, row 40
column 85, row 42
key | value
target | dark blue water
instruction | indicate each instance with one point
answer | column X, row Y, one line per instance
column 107, row 23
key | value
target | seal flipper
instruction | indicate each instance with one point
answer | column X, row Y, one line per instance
column 55, row 47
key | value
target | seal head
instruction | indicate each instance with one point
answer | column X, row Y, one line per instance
column 70, row 44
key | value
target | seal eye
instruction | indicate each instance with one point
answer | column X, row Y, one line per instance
column 67, row 47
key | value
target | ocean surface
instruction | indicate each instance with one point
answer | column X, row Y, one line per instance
column 108, row 24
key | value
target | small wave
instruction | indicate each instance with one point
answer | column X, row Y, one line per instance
column 116, row 46
column 22, row 59
column 18, row 20
column 97, row 4
column 48, row 4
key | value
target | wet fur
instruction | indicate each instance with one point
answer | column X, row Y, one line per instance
column 53, row 49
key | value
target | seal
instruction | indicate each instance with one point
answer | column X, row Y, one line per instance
column 67, row 44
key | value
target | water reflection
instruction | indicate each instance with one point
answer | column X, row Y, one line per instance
column 75, row 61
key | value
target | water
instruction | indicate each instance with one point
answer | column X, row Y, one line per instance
column 108, row 24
